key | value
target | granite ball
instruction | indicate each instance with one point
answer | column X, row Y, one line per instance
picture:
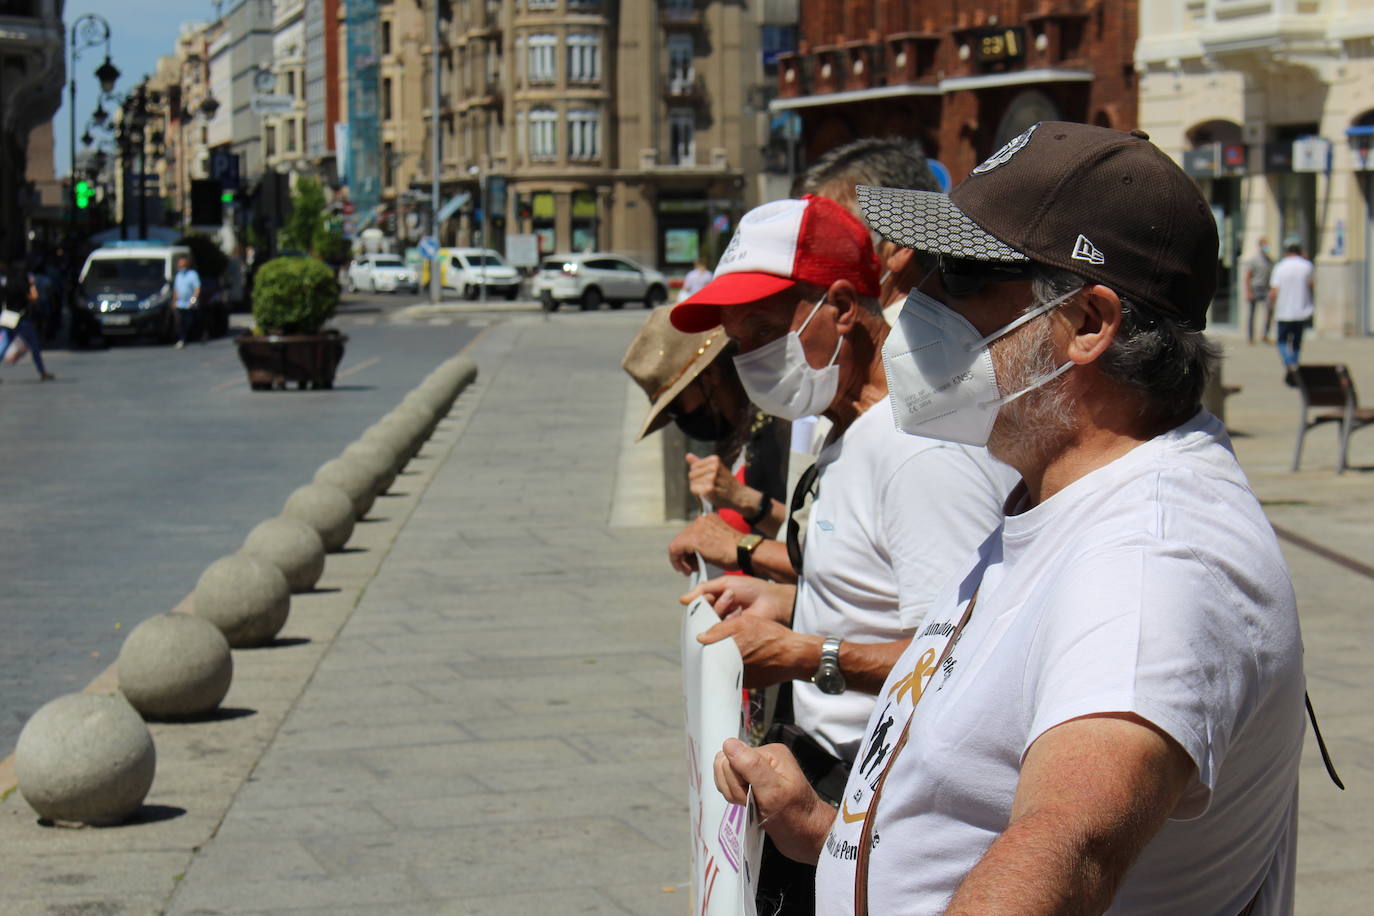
column 85, row 758
column 325, row 508
column 429, row 398
column 293, row 546
column 377, row 459
column 397, row 435
column 175, row 666
column 357, row 478
column 246, row 596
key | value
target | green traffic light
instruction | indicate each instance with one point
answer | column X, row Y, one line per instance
column 84, row 193
column 226, row 197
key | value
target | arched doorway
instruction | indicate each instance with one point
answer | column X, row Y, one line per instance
column 1219, row 158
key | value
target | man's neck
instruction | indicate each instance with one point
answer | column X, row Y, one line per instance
column 867, row 387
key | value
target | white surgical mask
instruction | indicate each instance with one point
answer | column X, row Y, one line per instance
column 782, row 383
column 940, row 375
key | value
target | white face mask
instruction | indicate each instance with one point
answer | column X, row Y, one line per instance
column 782, row 383
column 940, row 375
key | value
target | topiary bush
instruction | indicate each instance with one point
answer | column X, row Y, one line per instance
column 294, row 296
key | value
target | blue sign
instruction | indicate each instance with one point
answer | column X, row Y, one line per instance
column 429, row 248
column 224, row 167
column 942, row 176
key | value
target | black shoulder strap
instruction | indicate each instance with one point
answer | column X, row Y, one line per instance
column 1321, row 745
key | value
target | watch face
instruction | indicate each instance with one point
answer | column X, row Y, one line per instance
column 829, row 680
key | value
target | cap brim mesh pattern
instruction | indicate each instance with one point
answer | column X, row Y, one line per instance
column 929, row 221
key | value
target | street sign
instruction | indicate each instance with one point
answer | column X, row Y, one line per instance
column 522, row 250
column 429, row 247
column 265, row 104
column 224, row 168
column 452, row 205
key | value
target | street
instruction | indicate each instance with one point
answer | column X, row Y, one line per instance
column 141, row 464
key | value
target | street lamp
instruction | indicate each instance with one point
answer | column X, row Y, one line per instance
column 88, row 31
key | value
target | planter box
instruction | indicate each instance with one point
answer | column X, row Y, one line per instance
column 275, row 360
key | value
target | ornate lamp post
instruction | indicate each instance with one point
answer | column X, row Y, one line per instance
column 88, row 31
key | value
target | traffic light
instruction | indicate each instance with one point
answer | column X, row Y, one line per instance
column 206, row 206
column 84, row 194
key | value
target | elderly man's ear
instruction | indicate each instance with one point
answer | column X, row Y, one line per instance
column 1094, row 320
column 845, row 298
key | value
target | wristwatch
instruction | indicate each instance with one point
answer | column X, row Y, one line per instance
column 744, row 552
column 828, row 678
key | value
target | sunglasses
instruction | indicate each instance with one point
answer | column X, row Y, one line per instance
column 964, row 277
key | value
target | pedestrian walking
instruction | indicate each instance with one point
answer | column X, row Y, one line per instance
column 696, row 279
column 186, row 299
column 15, row 323
column 1257, row 271
column 1290, row 296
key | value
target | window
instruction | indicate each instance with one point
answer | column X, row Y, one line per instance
column 290, row 136
column 388, row 165
column 541, row 58
column 584, row 58
column 542, row 4
column 584, row 134
column 681, row 51
column 682, row 123
column 543, row 133
column 270, row 140
column 291, row 83
column 386, row 36
column 386, row 99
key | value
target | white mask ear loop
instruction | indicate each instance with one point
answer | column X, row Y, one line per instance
column 1029, row 316
column 820, row 302
column 1043, row 380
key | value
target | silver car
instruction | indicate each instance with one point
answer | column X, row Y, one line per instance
column 591, row 278
column 381, row 273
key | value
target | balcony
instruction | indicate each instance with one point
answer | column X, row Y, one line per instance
column 680, row 17
column 862, row 63
column 911, row 57
column 684, row 87
column 828, row 69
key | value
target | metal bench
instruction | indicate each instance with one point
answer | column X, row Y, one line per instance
column 1329, row 385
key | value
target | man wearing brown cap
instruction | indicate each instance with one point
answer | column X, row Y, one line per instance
column 1103, row 711
column 796, row 289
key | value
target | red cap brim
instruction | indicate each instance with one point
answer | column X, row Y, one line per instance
column 701, row 311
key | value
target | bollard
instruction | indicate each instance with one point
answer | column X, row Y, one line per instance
column 246, row 597
column 358, row 479
column 377, row 459
column 293, row 546
column 175, row 666
column 85, row 758
column 325, row 508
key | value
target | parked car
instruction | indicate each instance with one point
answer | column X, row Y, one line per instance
column 591, row 278
column 468, row 270
column 380, row 273
column 125, row 289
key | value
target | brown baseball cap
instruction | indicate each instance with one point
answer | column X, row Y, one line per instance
column 1106, row 204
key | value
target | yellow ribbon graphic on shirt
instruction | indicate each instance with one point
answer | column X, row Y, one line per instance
column 915, row 681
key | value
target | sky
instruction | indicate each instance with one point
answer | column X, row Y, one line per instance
column 141, row 31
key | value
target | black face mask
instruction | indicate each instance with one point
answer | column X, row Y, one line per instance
column 702, row 424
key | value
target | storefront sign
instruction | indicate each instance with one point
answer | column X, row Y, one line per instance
column 1311, row 154
column 1278, row 157
column 1216, row 160
column 991, row 45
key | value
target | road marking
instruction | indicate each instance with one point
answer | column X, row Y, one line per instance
column 225, row 386
column 365, row 364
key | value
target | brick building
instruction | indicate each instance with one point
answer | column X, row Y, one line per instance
column 963, row 78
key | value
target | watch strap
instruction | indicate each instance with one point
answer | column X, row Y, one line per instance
column 759, row 514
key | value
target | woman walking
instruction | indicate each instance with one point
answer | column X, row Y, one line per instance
column 14, row 323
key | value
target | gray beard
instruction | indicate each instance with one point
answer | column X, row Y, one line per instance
column 1038, row 423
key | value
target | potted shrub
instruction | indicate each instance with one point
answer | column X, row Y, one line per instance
column 292, row 299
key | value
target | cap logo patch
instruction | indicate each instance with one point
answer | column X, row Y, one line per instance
column 1005, row 153
column 1084, row 250
column 732, row 251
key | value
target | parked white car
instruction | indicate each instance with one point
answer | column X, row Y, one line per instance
column 468, row 270
column 381, row 273
column 594, row 277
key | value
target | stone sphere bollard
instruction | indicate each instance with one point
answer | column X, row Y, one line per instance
column 429, row 398
column 396, row 435
column 414, row 422
column 86, row 759
column 417, row 414
column 293, row 546
column 246, row 597
column 325, row 508
column 376, row 458
column 175, row 666
column 358, row 479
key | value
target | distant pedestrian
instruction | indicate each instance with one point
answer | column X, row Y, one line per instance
column 1290, row 296
column 186, row 298
column 15, row 323
column 1257, row 271
column 696, row 279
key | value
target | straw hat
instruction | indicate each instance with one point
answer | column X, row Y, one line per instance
column 663, row 361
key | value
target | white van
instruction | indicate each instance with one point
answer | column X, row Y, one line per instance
column 467, row 270
column 125, row 289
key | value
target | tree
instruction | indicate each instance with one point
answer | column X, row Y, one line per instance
column 306, row 221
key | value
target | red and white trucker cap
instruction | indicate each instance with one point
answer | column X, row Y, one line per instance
column 808, row 240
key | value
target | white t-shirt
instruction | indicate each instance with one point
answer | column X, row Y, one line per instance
column 1153, row 585
column 894, row 517
column 1292, row 294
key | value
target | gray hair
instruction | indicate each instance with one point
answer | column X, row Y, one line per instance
column 889, row 162
column 1153, row 354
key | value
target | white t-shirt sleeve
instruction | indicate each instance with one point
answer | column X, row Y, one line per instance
column 934, row 511
column 1146, row 630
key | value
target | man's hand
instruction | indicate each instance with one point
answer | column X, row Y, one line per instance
column 730, row 595
column 772, row 653
column 709, row 479
column 791, row 811
column 709, row 536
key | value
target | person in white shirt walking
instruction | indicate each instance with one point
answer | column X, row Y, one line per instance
column 1290, row 296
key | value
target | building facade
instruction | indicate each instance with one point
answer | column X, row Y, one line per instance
column 1269, row 104
column 32, row 76
column 963, row 78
